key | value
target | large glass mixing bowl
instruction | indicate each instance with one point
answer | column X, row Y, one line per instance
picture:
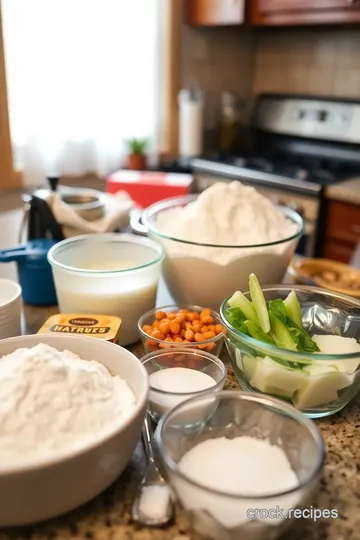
column 204, row 274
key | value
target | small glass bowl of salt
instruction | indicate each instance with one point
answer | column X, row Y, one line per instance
column 241, row 471
column 178, row 374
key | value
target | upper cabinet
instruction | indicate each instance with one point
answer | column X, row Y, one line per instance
column 298, row 12
column 214, row 12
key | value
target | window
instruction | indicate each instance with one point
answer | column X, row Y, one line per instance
column 84, row 76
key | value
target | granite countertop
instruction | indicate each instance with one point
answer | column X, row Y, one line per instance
column 348, row 191
column 107, row 517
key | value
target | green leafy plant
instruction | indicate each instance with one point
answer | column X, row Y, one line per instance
column 137, row 146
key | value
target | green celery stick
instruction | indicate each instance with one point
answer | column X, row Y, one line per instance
column 259, row 303
column 293, row 310
column 256, row 332
column 282, row 334
column 239, row 300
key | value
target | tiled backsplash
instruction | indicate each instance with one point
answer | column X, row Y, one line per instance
column 312, row 61
column 297, row 60
column 217, row 59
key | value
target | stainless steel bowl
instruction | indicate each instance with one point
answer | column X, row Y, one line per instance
column 87, row 203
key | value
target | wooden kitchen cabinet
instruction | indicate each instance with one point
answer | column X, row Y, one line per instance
column 302, row 12
column 342, row 233
column 214, row 12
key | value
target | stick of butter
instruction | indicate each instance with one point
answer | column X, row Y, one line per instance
column 99, row 326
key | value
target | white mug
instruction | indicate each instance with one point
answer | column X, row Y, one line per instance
column 10, row 308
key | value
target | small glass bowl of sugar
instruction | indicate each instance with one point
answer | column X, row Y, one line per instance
column 178, row 374
column 245, row 467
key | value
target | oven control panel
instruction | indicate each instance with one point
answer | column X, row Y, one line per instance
column 311, row 118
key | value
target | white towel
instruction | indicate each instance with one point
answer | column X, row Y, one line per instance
column 116, row 215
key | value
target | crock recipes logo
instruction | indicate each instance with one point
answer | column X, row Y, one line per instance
column 297, row 513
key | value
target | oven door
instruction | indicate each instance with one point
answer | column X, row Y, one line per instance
column 307, row 207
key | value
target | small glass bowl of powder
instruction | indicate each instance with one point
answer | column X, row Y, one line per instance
column 178, row 374
column 244, row 466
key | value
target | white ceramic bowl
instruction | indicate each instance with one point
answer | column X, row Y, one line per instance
column 38, row 492
column 10, row 308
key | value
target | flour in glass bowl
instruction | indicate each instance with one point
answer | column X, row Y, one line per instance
column 226, row 215
column 53, row 402
column 233, row 218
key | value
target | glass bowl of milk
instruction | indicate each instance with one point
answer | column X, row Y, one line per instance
column 246, row 470
column 176, row 375
column 107, row 274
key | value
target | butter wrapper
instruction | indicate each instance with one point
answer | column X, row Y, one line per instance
column 98, row 326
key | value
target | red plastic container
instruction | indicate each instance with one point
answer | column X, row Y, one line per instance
column 145, row 188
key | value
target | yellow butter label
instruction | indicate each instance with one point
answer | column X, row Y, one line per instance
column 100, row 326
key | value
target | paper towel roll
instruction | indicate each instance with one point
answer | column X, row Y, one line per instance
column 190, row 124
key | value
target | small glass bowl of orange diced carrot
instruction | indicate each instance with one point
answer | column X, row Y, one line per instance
column 182, row 326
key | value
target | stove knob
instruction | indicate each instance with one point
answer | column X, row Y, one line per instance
column 303, row 174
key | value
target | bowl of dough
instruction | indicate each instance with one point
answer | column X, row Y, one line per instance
column 71, row 412
column 213, row 241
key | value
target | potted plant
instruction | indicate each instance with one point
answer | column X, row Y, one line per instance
column 136, row 158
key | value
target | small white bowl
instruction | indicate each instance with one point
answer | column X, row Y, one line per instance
column 10, row 308
column 33, row 493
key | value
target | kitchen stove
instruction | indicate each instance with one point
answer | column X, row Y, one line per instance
column 299, row 146
column 312, row 171
column 319, row 171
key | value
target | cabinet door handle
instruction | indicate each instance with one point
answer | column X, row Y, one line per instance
column 356, row 229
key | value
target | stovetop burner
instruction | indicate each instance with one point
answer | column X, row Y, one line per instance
column 319, row 171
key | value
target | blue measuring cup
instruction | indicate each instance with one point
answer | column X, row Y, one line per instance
column 34, row 271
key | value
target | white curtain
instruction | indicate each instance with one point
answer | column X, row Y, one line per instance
column 82, row 78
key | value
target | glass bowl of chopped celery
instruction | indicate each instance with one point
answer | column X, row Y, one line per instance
column 300, row 344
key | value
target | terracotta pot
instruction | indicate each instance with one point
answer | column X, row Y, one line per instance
column 136, row 162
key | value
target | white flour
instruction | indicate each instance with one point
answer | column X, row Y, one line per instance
column 53, row 402
column 224, row 215
column 227, row 215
